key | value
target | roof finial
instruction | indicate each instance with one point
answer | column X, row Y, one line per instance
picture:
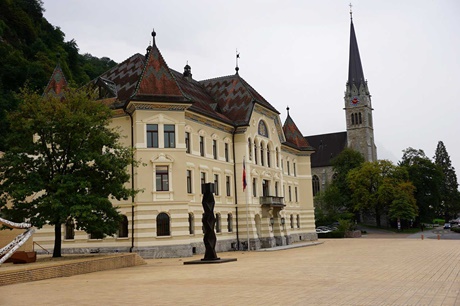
column 351, row 11
column 237, row 57
column 287, row 108
column 153, row 36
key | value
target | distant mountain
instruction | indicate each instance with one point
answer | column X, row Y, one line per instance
column 30, row 48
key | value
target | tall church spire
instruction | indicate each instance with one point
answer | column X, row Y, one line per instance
column 355, row 69
column 358, row 104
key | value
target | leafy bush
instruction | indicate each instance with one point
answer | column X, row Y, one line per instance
column 455, row 229
column 439, row 221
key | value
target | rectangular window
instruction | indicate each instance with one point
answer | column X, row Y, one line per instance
column 162, row 179
column 290, row 194
column 187, row 142
column 152, row 135
column 201, row 145
column 170, row 135
column 189, row 181
column 276, row 189
column 214, row 148
column 288, row 168
column 295, row 193
column 226, row 152
column 227, row 184
column 203, row 178
column 216, row 184
column 295, row 171
column 254, row 187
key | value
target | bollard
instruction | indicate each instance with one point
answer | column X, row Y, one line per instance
column 422, row 236
column 439, row 237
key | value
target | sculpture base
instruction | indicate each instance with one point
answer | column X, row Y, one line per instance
column 209, row 261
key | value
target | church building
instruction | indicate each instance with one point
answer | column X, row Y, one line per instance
column 359, row 135
column 186, row 133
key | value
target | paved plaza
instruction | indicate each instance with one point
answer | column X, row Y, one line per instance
column 373, row 270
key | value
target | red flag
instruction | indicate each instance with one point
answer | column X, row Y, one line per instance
column 244, row 175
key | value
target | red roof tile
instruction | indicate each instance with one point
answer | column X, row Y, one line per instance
column 293, row 136
column 57, row 82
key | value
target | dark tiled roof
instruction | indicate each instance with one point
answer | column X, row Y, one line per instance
column 355, row 69
column 327, row 146
column 156, row 81
column 234, row 97
column 293, row 136
column 57, row 82
column 125, row 76
column 202, row 102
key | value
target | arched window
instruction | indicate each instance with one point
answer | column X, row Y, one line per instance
column 316, row 186
column 277, row 157
column 352, row 119
column 69, row 229
column 218, row 224
column 123, row 227
column 250, row 148
column 263, row 131
column 262, row 160
column 360, row 118
column 163, row 225
column 269, row 164
column 230, row 223
column 255, row 152
column 191, row 224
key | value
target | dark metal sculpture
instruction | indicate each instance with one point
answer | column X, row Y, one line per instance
column 209, row 221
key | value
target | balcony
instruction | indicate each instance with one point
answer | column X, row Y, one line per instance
column 272, row 201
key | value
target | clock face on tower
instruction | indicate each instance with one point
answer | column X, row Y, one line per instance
column 354, row 101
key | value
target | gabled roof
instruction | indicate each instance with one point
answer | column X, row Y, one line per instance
column 355, row 69
column 229, row 99
column 235, row 97
column 57, row 82
column 125, row 76
column 157, row 82
column 327, row 146
column 293, row 136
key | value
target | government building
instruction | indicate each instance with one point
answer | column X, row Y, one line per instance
column 186, row 133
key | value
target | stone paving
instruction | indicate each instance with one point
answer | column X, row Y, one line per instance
column 362, row 271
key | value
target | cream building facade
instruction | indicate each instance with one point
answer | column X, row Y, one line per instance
column 186, row 133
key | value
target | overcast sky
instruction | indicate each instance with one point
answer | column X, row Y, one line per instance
column 295, row 53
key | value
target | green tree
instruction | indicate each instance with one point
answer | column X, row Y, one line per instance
column 450, row 199
column 29, row 45
column 72, row 169
column 377, row 185
column 347, row 160
column 426, row 178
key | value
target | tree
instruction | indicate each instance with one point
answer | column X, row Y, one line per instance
column 450, row 199
column 347, row 160
column 379, row 187
column 426, row 178
column 70, row 171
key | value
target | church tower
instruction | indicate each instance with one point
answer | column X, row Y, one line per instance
column 358, row 105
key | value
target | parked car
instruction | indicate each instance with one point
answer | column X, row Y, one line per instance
column 447, row 226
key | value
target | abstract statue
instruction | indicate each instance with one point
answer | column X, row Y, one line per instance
column 209, row 221
column 11, row 247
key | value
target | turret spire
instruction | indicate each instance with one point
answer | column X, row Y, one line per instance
column 355, row 69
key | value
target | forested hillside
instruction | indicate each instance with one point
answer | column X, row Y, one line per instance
column 30, row 47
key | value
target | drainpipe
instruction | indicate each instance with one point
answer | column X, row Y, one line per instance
column 236, row 192
column 132, row 181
